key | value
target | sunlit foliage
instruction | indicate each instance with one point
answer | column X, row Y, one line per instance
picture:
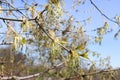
column 53, row 42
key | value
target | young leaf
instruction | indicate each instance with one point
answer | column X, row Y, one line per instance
column 75, row 54
column 81, row 46
column 63, row 42
column 23, row 41
column 84, row 55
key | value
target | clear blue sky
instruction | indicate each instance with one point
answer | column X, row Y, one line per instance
column 110, row 46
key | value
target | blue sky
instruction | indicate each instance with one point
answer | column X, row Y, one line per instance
column 110, row 46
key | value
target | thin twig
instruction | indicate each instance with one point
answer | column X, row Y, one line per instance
column 12, row 9
column 6, row 2
column 103, row 13
column 6, row 43
column 19, row 20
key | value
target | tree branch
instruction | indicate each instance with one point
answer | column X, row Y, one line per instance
column 6, row 2
column 103, row 13
column 39, row 74
column 12, row 9
column 41, row 26
column 31, row 76
column 93, row 73
column 19, row 20
column 6, row 43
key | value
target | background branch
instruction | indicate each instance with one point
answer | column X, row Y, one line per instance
column 39, row 74
column 31, row 76
column 92, row 73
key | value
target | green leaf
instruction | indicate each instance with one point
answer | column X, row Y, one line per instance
column 84, row 55
column 23, row 40
column 81, row 46
column 75, row 54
